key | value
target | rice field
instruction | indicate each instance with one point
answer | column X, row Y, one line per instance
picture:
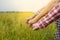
column 14, row 27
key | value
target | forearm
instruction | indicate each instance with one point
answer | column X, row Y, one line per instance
column 46, row 9
column 49, row 18
column 37, row 13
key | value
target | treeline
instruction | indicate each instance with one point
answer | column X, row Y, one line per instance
column 9, row 11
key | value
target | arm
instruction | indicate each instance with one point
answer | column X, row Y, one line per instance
column 48, row 18
column 35, row 14
column 44, row 11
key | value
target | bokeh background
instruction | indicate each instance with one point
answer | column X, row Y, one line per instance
column 22, row 5
column 13, row 26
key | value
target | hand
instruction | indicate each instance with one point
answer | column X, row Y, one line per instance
column 35, row 27
column 32, row 21
column 28, row 19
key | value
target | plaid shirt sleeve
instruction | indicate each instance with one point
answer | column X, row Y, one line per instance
column 50, row 17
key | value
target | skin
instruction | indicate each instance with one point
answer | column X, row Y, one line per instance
column 48, row 7
column 34, row 25
column 32, row 20
column 32, row 17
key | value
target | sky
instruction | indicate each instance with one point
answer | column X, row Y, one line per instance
column 22, row 5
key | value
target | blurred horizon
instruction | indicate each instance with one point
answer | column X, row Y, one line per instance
column 22, row 5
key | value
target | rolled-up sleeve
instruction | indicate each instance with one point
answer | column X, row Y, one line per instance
column 50, row 17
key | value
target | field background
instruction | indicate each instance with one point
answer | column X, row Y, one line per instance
column 14, row 27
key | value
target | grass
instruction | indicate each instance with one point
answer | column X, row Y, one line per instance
column 14, row 27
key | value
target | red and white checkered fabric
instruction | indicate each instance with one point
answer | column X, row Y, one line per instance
column 50, row 17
